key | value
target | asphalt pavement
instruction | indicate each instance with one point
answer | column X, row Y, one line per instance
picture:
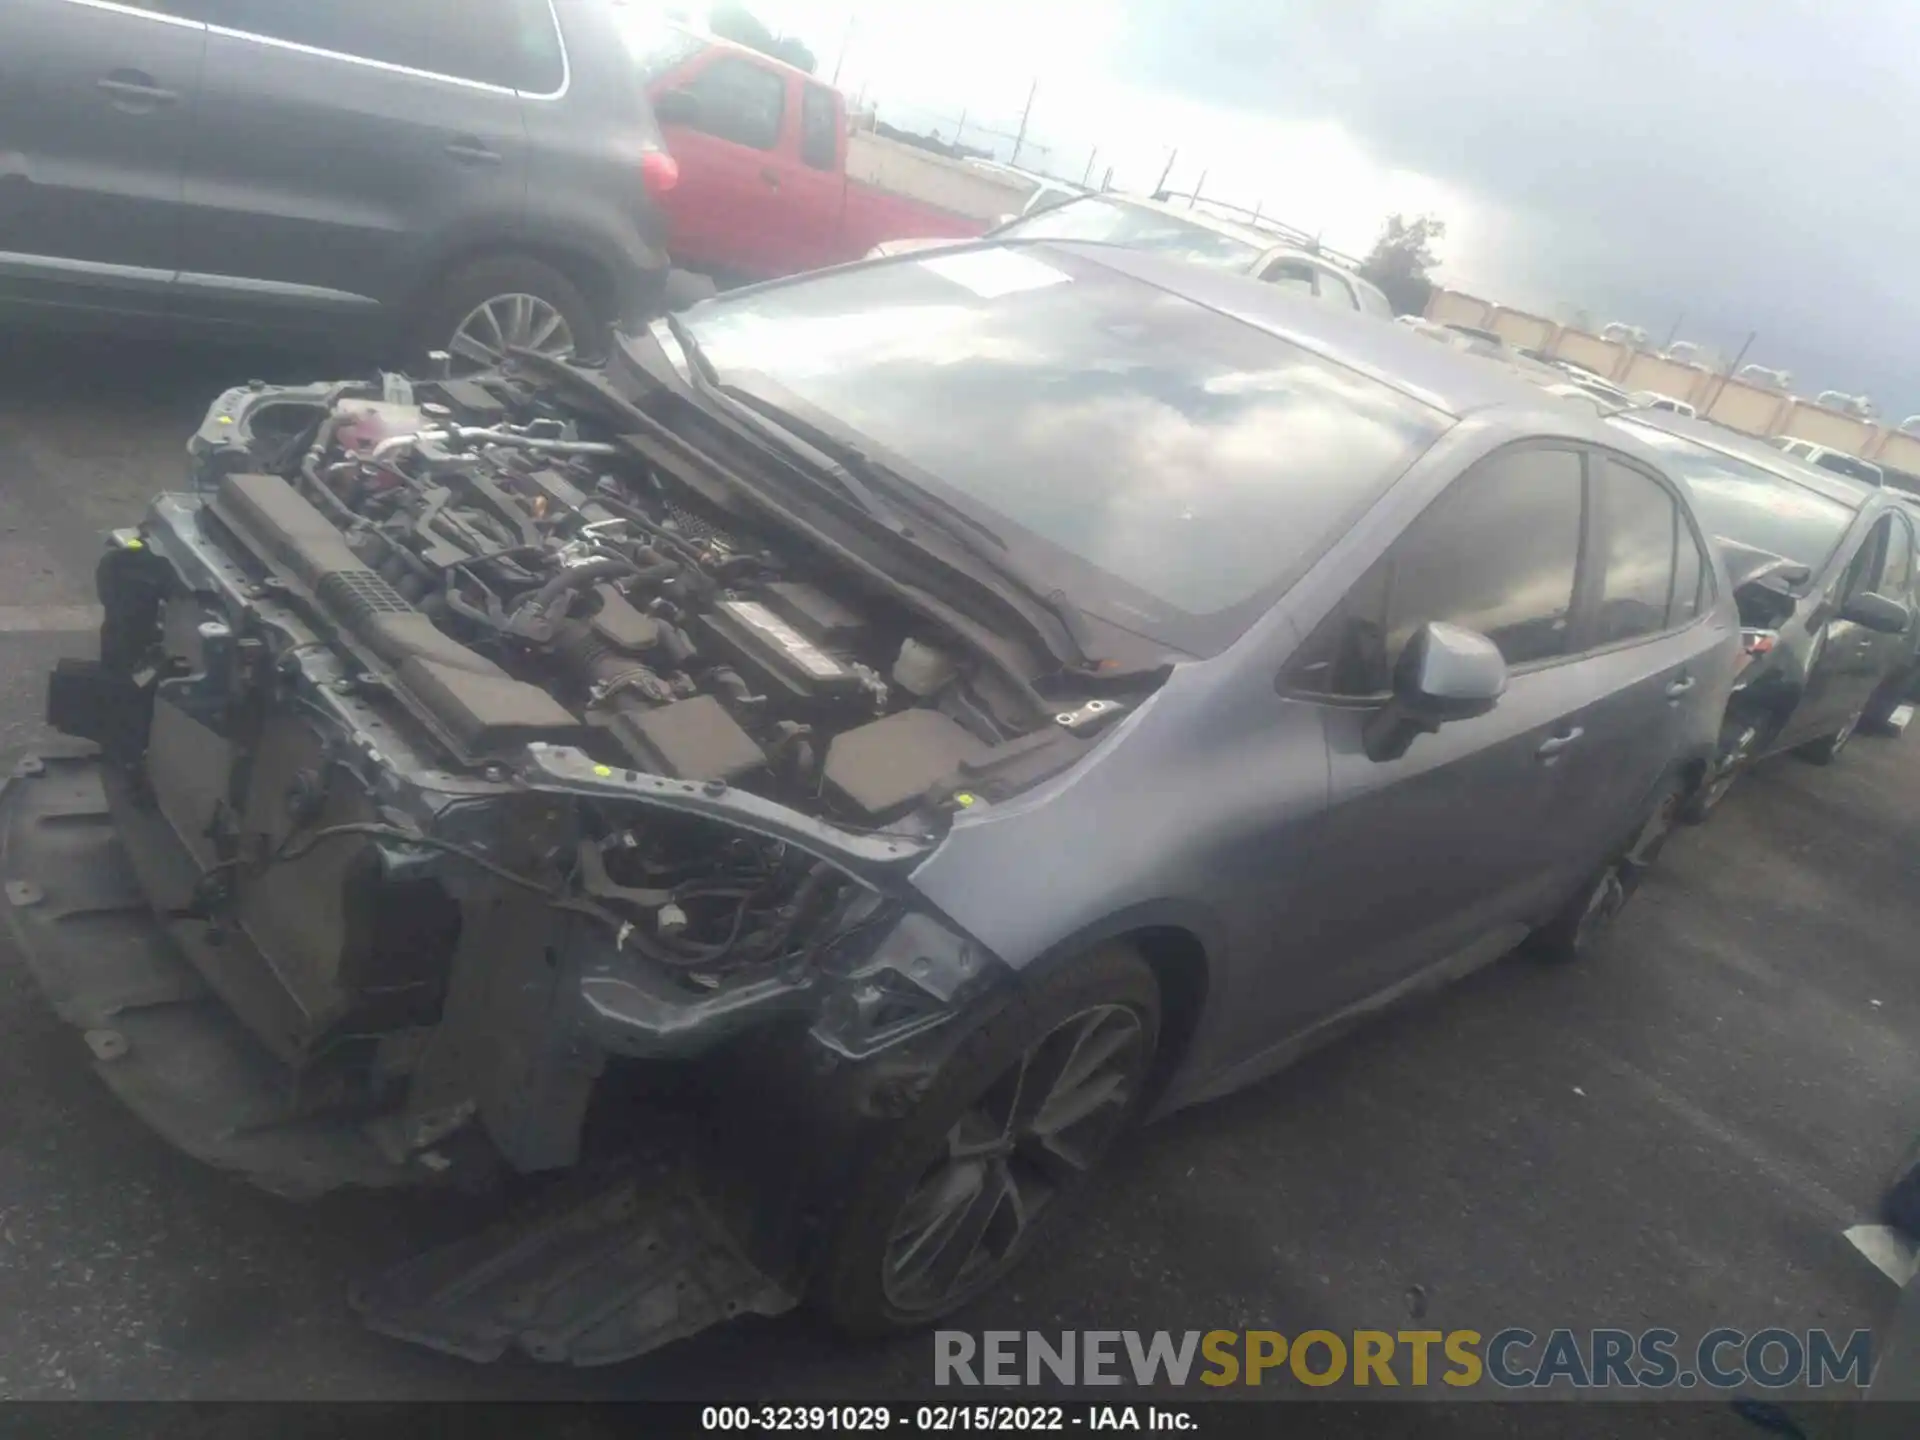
column 1676, row 1135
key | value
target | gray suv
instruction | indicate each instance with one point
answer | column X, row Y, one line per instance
column 438, row 174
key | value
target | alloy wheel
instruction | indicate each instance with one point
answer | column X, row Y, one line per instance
column 1612, row 891
column 1037, row 1129
column 1844, row 734
column 525, row 322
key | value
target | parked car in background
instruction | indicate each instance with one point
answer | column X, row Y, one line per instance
column 762, row 150
column 455, row 175
column 1823, row 569
column 1837, row 461
column 1047, row 191
column 1594, row 384
column 1193, row 235
column 1654, row 400
column 951, row 708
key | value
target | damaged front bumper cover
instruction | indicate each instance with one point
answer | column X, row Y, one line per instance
column 608, row 1266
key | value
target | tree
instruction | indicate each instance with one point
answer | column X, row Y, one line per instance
column 1401, row 259
column 743, row 27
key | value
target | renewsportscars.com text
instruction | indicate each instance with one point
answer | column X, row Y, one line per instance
column 1599, row 1359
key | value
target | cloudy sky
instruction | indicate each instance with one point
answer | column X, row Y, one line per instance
column 1723, row 166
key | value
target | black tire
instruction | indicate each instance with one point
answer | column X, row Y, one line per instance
column 1827, row 748
column 1737, row 748
column 870, row 1242
column 1585, row 921
column 1900, row 1204
column 465, row 291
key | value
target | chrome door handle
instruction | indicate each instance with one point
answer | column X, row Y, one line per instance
column 1680, row 687
column 473, row 152
column 1552, row 747
column 136, row 90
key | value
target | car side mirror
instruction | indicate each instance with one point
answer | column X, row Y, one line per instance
column 677, row 107
column 1877, row 612
column 1446, row 673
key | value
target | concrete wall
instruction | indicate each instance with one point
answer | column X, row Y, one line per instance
column 1807, row 421
column 1603, row 357
column 921, row 175
column 1666, row 377
column 1741, row 406
column 1734, row 403
column 1900, row 450
column 1521, row 330
column 1450, row 307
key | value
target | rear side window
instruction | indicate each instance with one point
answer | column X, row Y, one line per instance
column 819, row 128
column 387, row 30
column 1641, row 525
column 1689, row 576
column 1498, row 552
column 509, row 43
column 740, row 102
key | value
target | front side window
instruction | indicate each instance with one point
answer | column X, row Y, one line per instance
column 1498, row 552
column 739, row 101
column 1641, row 525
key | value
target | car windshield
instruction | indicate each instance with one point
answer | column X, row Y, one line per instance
column 1173, row 469
column 1115, row 222
column 655, row 45
column 1750, row 505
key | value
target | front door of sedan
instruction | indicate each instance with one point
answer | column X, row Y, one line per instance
column 1451, row 849
column 1849, row 659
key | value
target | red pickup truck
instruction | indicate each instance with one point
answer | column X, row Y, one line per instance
column 762, row 150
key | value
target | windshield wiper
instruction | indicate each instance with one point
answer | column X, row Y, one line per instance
column 823, row 454
column 862, row 478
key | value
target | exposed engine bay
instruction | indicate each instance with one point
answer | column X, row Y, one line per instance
column 459, row 745
column 433, row 695
column 596, row 607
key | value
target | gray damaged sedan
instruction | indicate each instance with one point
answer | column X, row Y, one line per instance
column 806, row 786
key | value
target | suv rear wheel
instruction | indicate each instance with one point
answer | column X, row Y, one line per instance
column 507, row 301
